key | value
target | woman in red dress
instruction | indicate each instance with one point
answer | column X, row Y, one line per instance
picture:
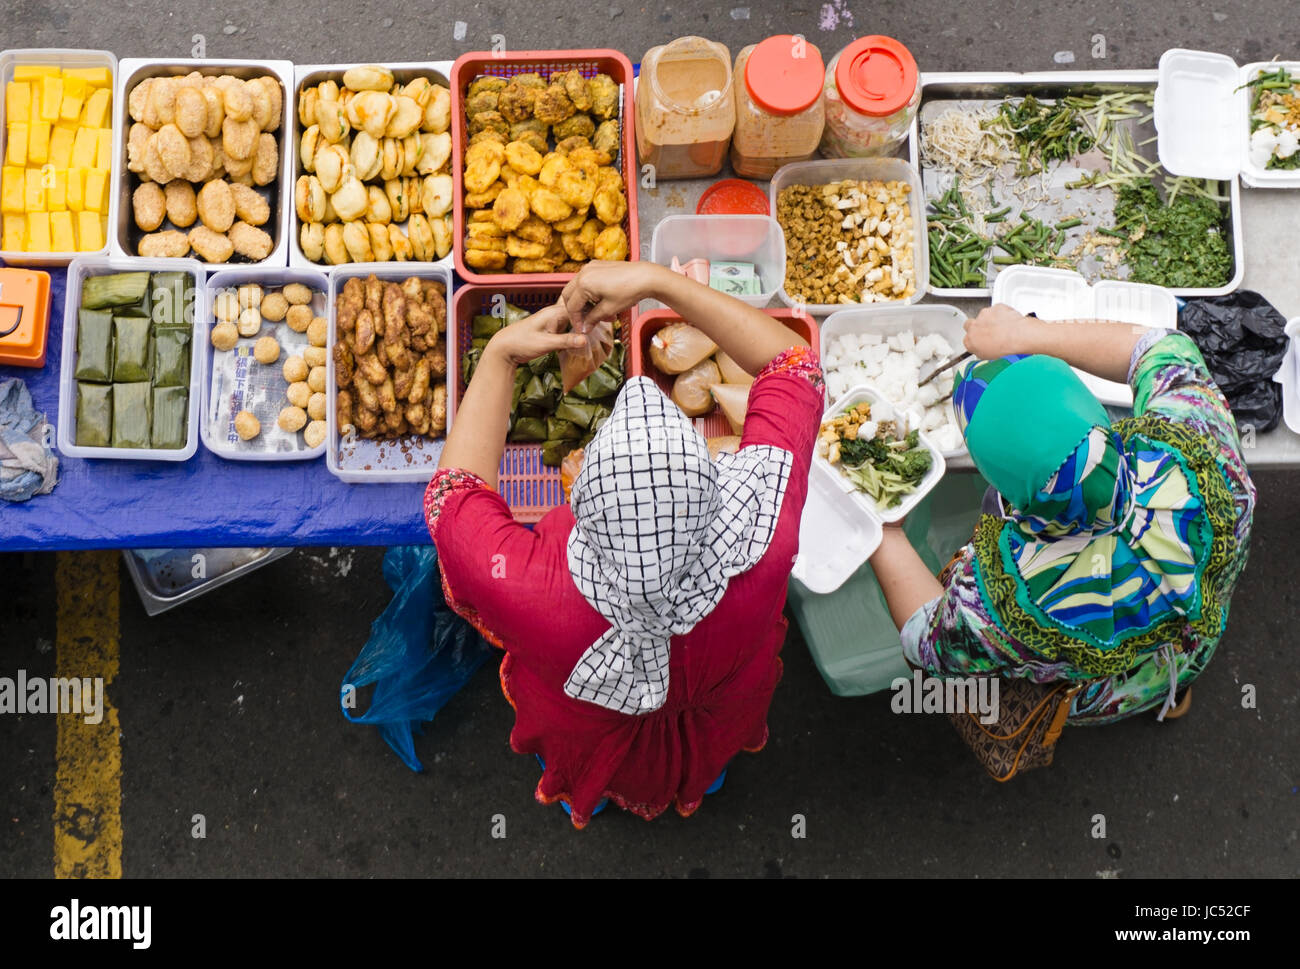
column 642, row 624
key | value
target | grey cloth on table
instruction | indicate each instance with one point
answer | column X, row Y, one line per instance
column 27, row 463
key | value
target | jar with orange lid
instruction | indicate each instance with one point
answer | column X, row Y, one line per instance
column 871, row 94
column 685, row 111
column 779, row 110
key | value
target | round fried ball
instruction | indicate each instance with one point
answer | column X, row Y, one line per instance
column 314, row 435
column 292, row 419
column 226, row 306
column 316, row 406
column 225, row 335
column 297, row 293
column 266, row 350
column 298, row 317
column 314, row 356
column 317, row 331
column 274, row 306
column 247, row 426
column 316, row 379
column 298, row 393
column 295, row 370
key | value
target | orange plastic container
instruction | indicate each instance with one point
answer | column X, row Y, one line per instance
column 24, row 316
column 712, row 424
column 530, row 488
column 507, row 64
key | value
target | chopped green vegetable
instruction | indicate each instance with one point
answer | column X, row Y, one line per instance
column 1043, row 132
column 1179, row 243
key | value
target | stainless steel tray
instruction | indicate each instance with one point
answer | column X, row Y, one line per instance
column 279, row 194
column 308, row 75
column 940, row 91
column 167, row 579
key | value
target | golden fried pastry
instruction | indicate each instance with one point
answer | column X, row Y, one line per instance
column 480, row 174
column 191, row 112
column 576, row 126
column 216, row 205
column 604, row 96
column 480, row 102
column 173, row 150
column 420, row 235
column 605, row 140
column 398, row 242
column 249, row 205
column 398, row 199
column 154, row 169
column 182, row 205
column 588, row 233
column 485, row 259
column 552, row 166
column 484, row 200
column 148, row 206
column 201, row 159
column 298, row 393
column 317, row 331
column 510, row 209
column 487, row 243
column 247, row 426
column 210, row 245
column 274, row 101
column 610, row 204
column 609, row 176
column 573, row 246
column 573, row 142
column 238, row 139
column 437, row 113
column 236, row 98
column 570, row 266
column 356, row 237
column 138, row 99
column 485, row 84
column 573, row 223
column 534, row 266
column 371, row 111
column 515, row 102
column 316, row 379
column 368, row 77
column 333, row 122
column 378, row 208
column 576, row 189
column 136, row 140
column 420, row 88
column 266, row 159
column 162, row 101
column 406, row 117
column 522, row 248
column 575, row 86
column 588, row 159
column 393, row 153
column 294, row 370
column 250, row 241
column 485, row 152
column 552, row 105
column 298, row 294
column 436, row 196
column 611, row 244
column 534, row 230
column 309, row 199
column 442, row 239
column 380, row 241
column 266, row 350
column 488, row 120
column 168, row 244
column 315, row 356
column 299, row 316
column 435, row 152
column 214, row 111
column 488, row 134
column 351, row 200
column 274, row 306
column 523, row 158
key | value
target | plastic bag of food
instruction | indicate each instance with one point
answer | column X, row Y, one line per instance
column 1243, row 339
column 678, row 347
column 691, row 388
column 577, row 365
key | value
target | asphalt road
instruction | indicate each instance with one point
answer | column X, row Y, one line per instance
column 228, row 705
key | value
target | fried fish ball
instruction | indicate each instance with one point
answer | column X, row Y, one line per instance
column 488, row 120
column 224, row 335
column 316, row 406
column 436, row 196
column 313, row 435
column 312, row 240
column 576, row 189
column 274, row 306
column 191, row 112
column 606, row 139
column 435, row 152
column 442, row 240
column 250, row 241
column 549, row 206
column 238, row 138
column 437, row 112
column 298, row 393
column 249, row 205
column 480, row 102
column 247, row 426
column 484, row 259
column 604, row 96
column 216, row 205
column 316, row 379
column 610, row 204
column 149, row 206
column 317, row 331
column 481, row 174
column 368, row 77
column 266, row 350
column 523, row 157
column 299, row 316
column 294, row 370
column 314, row 356
column 266, row 159
column 510, row 209
column 576, row 126
column 250, row 321
column 226, row 306
column 292, row 419
column 485, row 83
column 515, row 102
column 420, row 235
column 168, row 244
column 534, row 230
column 611, row 244
column 298, row 294
column 552, row 105
column 523, row 249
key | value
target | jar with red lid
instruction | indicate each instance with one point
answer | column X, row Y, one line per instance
column 871, row 94
column 779, row 111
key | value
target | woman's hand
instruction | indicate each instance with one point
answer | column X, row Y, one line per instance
column 998, row 331
column 534, row 337
column 602, row 290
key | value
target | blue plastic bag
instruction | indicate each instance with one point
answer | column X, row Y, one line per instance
column 419, row 653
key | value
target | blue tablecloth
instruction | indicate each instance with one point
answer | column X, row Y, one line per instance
column 203, row 502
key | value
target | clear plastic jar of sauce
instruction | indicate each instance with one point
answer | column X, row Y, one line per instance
column 779, row 111
column 871, row 94
column 685, row 111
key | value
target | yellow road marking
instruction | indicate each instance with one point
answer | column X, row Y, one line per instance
column 88, row 778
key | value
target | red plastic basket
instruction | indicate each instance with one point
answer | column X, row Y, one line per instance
column 530, row 488
column 507, row 64
column 714, row 423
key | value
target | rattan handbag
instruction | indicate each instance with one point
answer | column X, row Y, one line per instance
column 1030, row 718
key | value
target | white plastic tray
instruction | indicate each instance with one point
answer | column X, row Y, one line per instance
column 312, row 74
column 1060, row 294
column 64, row 58
column 835, row 538
column 411, row 458
column 864, row 503
column 131, row 71
column 78, row 270
column 821, row 172
column 1202, row 113
column 725, row 238
column 887, row 320
column 272, row 444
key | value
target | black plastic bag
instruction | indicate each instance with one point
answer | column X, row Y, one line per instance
column 1243, row 339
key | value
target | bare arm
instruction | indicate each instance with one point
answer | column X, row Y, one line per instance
column 1100, row 348
column 904, row 578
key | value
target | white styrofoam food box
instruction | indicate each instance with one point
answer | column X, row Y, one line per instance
column 756, row 239
column 78, row 271
column 835, row 538
column 1288, row 375
column 1202, row 115
column 1061, row 294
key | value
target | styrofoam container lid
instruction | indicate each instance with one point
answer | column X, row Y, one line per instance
column 835, row 538
column 1061, row 294
column 1288, row 375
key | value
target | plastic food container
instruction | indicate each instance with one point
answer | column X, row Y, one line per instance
column 714, row 423
column 78, row 271
column 1202, row 114
column 835, row 538
column 588, row 63
column 1060, row 294
column 61, row 58
column 530, row 488
column 824, row 171
column 779, row 111
column 309, row 75
column 685, row 109
column 863, row 501
column 359, row 460
column 871, row 94
column 229, row 388
column 24, row 317
column 165, row 577
column 755, row 239
column 1288, row 375
column 922, row 319
column 124, row 233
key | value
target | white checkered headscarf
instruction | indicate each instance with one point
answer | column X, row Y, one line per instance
column 661, row 529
